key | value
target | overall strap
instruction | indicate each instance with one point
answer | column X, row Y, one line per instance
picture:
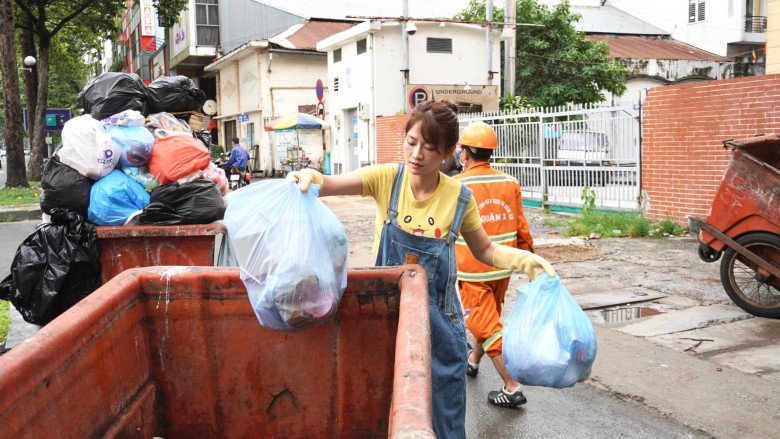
column 392, row 208
column 460, row 211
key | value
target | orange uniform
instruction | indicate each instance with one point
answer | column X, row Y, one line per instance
column 482, row 287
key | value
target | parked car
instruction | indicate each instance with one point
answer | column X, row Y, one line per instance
column 583, row 146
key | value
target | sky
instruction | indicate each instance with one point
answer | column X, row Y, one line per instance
column 384, row 8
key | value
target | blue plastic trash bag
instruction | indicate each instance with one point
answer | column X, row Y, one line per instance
column 292, row 253
column 548, row 339
column 114, row 198
column 136, row 144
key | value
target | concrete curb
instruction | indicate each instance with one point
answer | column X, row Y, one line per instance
column 20, row 213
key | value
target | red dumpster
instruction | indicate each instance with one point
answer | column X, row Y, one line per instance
column 124, row 247
column 177, row 352
column 744, row 226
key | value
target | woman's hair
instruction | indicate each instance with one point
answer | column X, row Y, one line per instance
column 438, row 124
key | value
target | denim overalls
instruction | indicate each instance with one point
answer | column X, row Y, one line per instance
column 448, row 333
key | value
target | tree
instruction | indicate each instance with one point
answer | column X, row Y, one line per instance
column 45, row 19
column 12, row 108
column 556, row 64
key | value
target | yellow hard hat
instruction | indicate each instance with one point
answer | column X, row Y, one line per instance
column 479, row 135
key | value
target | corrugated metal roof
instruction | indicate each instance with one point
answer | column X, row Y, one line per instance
column 610, row 20
column 625, row 46
column 312, row 32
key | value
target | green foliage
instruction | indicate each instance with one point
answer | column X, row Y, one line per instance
column 611, row 225
column 667, row 228
column 554, row 222
column 168, row 10
column 588, row 198
column 556, row 64
column 20, row 196
column 216, row 151
column 477, row 11
column 512, row 103
column 5, row 319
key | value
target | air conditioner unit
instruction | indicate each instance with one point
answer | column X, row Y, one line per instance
column 363, row 113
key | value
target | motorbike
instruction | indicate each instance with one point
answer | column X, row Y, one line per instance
column 236, row 178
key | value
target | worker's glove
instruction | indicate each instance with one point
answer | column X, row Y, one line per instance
column 306, row 177
column 515, row 259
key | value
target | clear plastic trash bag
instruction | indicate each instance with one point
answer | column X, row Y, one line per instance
column 292, row 252
column 548, row 339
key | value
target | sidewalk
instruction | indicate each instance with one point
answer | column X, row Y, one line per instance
column 669, row 337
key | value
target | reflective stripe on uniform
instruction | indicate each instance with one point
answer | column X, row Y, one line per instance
column 498, row 239
column 484, row 277
column 486, row 345
column 497, row 178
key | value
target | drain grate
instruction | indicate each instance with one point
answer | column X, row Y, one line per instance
column 617, row 315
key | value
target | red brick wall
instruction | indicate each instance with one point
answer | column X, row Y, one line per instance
column 683, row 159
column 390, row 136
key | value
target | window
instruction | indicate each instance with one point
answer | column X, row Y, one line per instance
column 337, row 55
column 336, row 83
column 361, row 46
column 439, row 45
column 228, row 132
column 693, row 16
column 207, row 22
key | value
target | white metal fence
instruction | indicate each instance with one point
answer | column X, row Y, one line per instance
column 556, row 152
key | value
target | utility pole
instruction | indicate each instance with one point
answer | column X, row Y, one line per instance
column 510, row 48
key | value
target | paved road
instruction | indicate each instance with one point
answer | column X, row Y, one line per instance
column 654, row 377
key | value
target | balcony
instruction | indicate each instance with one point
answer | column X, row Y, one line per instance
column 755, row 24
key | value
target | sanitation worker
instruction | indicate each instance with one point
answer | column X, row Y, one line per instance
column 419, row 214
column 482, row 286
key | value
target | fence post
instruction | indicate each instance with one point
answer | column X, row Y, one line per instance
column 542, row 154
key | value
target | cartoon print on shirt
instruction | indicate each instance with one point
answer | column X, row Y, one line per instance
column 418, row 230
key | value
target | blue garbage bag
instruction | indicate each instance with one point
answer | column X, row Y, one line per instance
column 114, row 198
column 291, row 251
column 136, row 144
column 548, row 339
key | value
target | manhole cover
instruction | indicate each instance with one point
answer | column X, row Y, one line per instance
column 622, row 314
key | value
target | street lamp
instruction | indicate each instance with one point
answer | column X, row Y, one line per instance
column 29, row 61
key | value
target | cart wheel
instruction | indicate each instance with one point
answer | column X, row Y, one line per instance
column 707, row 254
column 746, row 285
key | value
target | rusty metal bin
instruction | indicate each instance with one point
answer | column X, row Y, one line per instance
column 177, row 352
column 744, row 226
column 124, row 247
column 748, row 198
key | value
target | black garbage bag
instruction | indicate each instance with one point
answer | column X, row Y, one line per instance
column 194, row 202
column 55, row 267
column 175, row 94
column 112, row 93
column 64, row 187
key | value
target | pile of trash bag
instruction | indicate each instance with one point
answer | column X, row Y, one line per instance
column 548, row 339
column 292, row 251
column 117, row 154
column 117, row 165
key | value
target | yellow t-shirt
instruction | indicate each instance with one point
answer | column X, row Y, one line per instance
column 431, row 217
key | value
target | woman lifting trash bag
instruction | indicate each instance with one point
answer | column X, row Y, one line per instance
column 419, row 214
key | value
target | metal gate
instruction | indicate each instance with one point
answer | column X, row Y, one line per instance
column 556, row 152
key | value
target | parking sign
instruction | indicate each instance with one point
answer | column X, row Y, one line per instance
column 417, row 95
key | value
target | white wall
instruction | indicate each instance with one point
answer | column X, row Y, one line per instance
column 261, row 88
column 723, row 23
column 375, row 79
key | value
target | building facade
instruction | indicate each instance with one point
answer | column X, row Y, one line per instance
column 736, row 29
column 264, row 79
column 377, row 69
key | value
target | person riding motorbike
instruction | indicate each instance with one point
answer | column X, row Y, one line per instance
column 239, row 159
